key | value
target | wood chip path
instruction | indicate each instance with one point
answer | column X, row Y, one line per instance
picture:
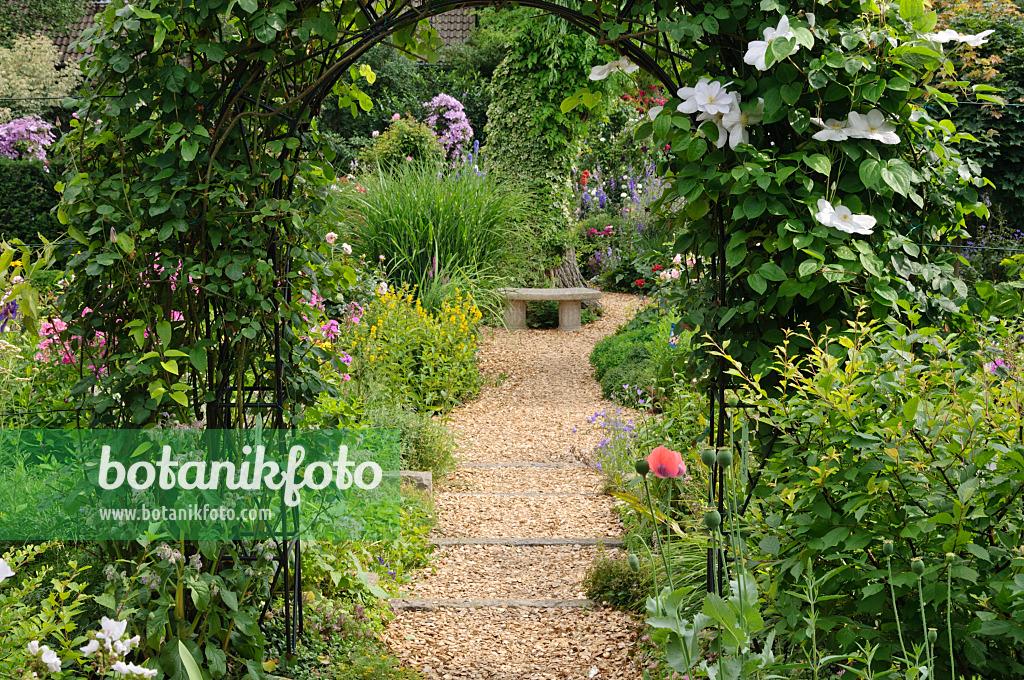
column 503, row 598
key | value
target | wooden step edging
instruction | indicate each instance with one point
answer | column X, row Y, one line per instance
column 422, row 604
column 529, row 542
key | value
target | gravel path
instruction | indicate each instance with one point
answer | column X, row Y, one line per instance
column 537, row 413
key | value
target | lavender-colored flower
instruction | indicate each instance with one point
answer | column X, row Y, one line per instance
column 8, row 313
column 448, row 118
column 26, row 138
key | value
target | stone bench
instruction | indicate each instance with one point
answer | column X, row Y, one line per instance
column 570, row 307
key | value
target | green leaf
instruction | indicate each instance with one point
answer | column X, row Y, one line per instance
column 191, row 668
column 819, row 162
column 197, row 357
column 757, row 283
column 808, row 267
column 249, row 6
column 772, row 272
column 870, row 172
column 234, row 272
column 753, row 206
column 189, row 149
column 163, row 331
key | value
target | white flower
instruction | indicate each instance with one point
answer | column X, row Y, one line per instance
column 916, row 115
column 653, row 113
column 689, row 103
column 33, row 647
column 5, row 569
column 835, row 130
column 872, row 126
column 111, row 630
column 375, row 133
column 90, row 647
column 713, row 99
column 346, row 248
column 841, row 218
column 382, row 289
column 949, row 35
column 737, row 120
column 120, row 667
column 978, row 39
column 723, row 134
column 757, row 50
column 331, row 237
column 603, row 71
column 50, row 658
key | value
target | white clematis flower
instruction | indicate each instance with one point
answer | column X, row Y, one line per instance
column 872, row 125
column 842, row 218
column 737, row 120
column 603, row 71
column 949, row 35
column 713, row 99
column 834, row 130
column 716, row 118
column 688, row 95
column 757, row 50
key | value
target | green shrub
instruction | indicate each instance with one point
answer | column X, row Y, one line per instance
column 612, row 580
column 423, row 360
column 405, row 140
column 427, row 444
column 895, row 435
column 26, row 199
column 637, row 365
column 430, row 225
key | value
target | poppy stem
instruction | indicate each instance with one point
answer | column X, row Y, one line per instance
column 661, row 548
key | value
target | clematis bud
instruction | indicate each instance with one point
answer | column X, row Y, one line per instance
column 113, row 235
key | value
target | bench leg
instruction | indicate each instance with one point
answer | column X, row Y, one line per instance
column 570, row 315
column 515, row 314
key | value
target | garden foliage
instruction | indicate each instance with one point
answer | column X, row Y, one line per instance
column 27, row 199
column 405, row 140
column 29, row 73
column 910, row 436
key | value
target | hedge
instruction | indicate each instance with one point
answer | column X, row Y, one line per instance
column 26, row 199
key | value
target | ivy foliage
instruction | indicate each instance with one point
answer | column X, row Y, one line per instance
column 27, row 17
column 529, row 137
column 999, row 129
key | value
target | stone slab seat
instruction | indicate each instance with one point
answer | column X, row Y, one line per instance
column 570, row 308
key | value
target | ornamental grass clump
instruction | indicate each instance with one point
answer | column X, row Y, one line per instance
column 431, row 224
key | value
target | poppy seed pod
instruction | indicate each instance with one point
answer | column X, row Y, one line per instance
column 712, row 519
column 724, row 457
column 634, row 563
column 933, row 635
column 708, row 457
column 642, row 467
column 888, row 548
column 732, row 400
column 950, row 557
column 917, row 566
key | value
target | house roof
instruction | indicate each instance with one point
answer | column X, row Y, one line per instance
column 454, row 27
column 64, row 36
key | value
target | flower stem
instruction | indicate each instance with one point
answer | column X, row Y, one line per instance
column 664, row 560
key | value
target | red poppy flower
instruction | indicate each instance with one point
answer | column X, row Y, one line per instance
column 656, row 268
column 666, row 463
